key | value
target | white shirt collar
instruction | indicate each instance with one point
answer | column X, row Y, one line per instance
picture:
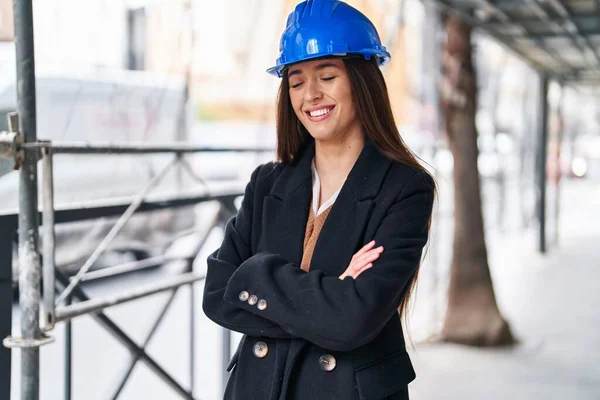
column 317, row 192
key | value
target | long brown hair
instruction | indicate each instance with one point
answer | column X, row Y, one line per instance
column 374, row 111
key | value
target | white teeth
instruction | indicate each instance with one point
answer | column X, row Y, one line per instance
column 318, row 113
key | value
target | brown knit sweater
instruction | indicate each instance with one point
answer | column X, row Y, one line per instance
column 313, row 229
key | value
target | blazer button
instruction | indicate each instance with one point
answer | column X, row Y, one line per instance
column 252, row 300
column 262, row 304
column 327, row 362
column 244, row 296
column 260, row 349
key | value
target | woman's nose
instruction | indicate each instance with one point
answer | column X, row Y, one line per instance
column 313, row 91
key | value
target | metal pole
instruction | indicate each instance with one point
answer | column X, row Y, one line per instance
column 542, row 155
column 431, row 121
column 29, row 262
column 68, row 356
column 559, row 143
column 192, row 350
column 7, row 229
column 48, row 240
column 225, row 356
column 226, row 211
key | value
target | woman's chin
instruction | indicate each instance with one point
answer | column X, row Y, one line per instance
column 322, row 135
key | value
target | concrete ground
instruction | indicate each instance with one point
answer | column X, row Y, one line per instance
column 551, row 302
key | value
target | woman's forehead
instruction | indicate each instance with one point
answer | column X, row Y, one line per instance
column 315, row 65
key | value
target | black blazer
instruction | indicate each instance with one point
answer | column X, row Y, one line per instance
column 312, row 335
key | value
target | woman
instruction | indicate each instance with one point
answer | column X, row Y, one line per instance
column 318, row 265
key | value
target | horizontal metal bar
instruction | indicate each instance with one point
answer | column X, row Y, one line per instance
column 128, row 267
column 582, row 83
column 587, row 24
column 100, row 303
column 134, row 148
column 578, row 18
column 111, row 208
column 184, row 233
column 552, row 35
column 116, row 229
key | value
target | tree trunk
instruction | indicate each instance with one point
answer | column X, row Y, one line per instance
column 472, row 317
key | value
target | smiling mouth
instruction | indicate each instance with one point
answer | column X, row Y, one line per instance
column 319, row 114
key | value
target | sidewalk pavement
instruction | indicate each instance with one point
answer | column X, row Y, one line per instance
column 552, row 303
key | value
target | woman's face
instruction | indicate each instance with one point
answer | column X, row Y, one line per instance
column 321, row 97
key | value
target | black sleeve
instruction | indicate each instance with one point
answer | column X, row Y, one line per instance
column 343, row 314
column 234, row 250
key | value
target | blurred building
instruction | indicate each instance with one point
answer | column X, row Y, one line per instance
column 225, row 47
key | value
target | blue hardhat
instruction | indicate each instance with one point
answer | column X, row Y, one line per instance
column 319, row 28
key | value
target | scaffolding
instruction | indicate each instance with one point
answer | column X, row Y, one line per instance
column 60, row 309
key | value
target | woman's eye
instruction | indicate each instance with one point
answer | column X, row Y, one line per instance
column 329, row 78
column 295, row 85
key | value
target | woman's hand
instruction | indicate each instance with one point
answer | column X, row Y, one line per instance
column 362, row 260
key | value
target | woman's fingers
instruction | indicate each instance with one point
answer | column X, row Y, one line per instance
column 356, row 273
column 362, row 262
column 365, row 248
column 377, row 251
column 366, row 258
column 363, row 269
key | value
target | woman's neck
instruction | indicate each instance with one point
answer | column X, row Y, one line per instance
column 334, row 160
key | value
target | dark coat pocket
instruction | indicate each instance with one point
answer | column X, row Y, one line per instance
column 385, row 377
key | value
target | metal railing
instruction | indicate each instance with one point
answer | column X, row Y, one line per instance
column 60, row 308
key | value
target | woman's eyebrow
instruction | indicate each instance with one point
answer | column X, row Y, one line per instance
column 325, row 65
column 317, row 67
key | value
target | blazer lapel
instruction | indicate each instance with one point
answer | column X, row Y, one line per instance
column 285, row 211
column 344, row 228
